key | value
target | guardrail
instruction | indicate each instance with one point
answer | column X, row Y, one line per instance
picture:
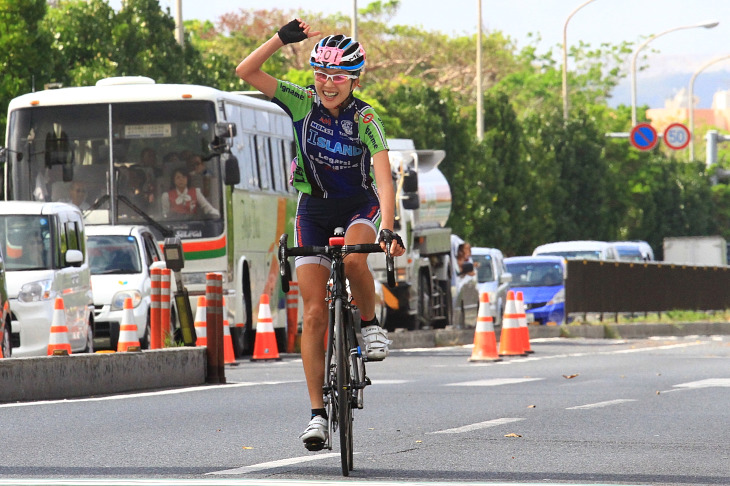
column 609, row 287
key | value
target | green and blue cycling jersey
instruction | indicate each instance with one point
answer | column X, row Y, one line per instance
column 333, row 153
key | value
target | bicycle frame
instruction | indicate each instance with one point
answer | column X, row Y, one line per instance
column 345, row 378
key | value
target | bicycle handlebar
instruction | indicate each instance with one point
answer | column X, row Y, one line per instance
column 330, row 251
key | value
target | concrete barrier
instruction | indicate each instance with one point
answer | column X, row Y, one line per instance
column 83, row 375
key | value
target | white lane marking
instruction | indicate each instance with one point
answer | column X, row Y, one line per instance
column 274, row 464
column 708, row 383
column 478, row 426
column 495, row 382
column 174, row 391
column 519, row 360
column 388, row 382
column 601, row 404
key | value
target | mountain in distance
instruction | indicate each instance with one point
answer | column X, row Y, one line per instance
column 654, row 91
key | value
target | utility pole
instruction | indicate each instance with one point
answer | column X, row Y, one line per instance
column 179, row 23
column 353, row 34
column 480, row 101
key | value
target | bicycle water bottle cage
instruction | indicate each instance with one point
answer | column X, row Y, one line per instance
column 337, row 240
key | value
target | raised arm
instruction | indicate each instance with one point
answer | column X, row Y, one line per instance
column 250, row 68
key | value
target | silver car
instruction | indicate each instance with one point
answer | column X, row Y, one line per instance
column 493, row 278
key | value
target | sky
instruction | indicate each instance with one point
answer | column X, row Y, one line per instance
column 600, row 21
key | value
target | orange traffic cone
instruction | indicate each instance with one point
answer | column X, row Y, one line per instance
column 510, row 343
column 292, row 309
column 265, row 346
column 128, row 340
column 485, row 342
column 201, row 323
column 58, row 343
column 522, row 319
column 228, row 355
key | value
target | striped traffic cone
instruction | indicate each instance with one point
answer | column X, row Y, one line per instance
column 510, row 343
column 485, row 342
column 522, row 319
column 128, row 339
column 292, row 309
column 201, row 323
column 228, row 355
column 58, row 343
column 265, row 346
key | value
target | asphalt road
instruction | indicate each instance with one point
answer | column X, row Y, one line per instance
column 577, row 411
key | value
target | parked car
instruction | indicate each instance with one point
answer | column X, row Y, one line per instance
column 541, row 279
column 579, row 249
column 5, row 321
column 121, row 259
column 493, row 278
column 634, row 251
column 45, row 258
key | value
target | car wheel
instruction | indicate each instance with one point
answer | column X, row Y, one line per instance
column 6, row 347
column 89, row 341
column 145, row 341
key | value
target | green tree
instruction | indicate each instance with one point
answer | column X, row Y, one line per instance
column 24, row 50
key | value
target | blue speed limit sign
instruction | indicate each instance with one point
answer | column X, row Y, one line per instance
column 643, row 136
column 676, row 136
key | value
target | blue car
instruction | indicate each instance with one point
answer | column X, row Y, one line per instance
column 541, row 279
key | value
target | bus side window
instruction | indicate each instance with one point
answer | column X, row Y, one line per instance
column 277, row 165
column 263, row 161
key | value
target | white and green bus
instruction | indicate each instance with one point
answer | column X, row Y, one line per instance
column 123, row 140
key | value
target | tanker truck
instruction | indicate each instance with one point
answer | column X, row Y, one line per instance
column 428, row 291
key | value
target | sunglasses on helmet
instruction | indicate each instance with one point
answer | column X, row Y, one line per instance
column 336, row 78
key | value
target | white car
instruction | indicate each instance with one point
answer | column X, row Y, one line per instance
column 121, row 258
column 45, row 258
column 579, row 249
column 493, row 278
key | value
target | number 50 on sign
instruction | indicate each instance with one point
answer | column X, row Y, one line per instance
column 676, row 136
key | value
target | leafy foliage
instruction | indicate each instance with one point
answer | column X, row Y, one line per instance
column 533, row 178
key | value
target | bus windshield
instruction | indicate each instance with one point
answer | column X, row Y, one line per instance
column 127, row 163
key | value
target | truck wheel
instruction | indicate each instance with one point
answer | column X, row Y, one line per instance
column 425, row 310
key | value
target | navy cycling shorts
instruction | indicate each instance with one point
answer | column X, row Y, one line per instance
column 317, row 219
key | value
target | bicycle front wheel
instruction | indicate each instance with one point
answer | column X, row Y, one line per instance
column 344, row 403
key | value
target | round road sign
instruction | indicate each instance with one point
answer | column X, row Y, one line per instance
column 676, row 136
column 643, row 136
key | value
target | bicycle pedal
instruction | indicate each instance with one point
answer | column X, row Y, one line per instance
column 315, row 445
column 367, row 381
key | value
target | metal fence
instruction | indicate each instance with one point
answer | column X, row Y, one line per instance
column 607, row 287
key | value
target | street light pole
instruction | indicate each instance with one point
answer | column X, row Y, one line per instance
column 565, row 58
column 691, row 104
column 706, row 25
column 480, row 101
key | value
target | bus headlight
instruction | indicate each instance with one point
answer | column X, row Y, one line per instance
column 121, row 296
column 36, row 291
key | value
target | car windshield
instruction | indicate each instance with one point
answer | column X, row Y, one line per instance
column 629, row 254
column 483, row 264
column 113, row 254
column 535, row 274
column 27, row 242
column 576, row 254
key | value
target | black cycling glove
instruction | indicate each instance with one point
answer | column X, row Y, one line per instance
column 387, row 236
column 292, row 32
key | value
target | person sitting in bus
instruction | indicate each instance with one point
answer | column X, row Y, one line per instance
column 182, row 200
column 199, row 174
column 77, row 195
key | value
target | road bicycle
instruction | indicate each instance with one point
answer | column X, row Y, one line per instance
column 345, row 378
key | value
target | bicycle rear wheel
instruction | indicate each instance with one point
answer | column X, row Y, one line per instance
column 344, row 402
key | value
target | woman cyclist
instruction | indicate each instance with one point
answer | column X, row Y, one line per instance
column 337, row 135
